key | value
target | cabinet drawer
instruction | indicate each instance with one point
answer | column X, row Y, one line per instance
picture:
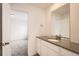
column 51, row 46
column 45, row 51
column 65, row 52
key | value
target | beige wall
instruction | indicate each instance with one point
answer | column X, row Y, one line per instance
column 74, row 18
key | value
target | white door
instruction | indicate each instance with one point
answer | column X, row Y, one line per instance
column 0, row 29
column 6, row 50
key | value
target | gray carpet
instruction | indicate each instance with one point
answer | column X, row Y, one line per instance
column 19, row 48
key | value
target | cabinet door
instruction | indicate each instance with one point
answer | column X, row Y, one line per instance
column 65, row 52
column 51, row 46
column 38, row 46
column 45, row 51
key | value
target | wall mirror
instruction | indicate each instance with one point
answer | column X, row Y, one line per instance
column 61, row 21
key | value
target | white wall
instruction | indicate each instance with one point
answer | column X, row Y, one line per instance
column 36, row 18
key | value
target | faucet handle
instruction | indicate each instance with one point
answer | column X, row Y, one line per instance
column 58, row 37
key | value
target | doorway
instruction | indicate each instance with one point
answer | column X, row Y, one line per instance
column 19, row 35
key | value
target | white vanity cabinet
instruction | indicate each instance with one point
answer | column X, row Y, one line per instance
column 48, row 49
column 65, row 52
column 45, row 48
column 44, row 51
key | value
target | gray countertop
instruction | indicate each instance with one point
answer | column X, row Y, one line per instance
column 64, row 43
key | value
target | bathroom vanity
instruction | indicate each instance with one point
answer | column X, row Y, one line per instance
column 54, row 48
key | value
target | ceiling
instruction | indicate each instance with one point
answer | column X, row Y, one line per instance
column 40, row 5
column 63, row 10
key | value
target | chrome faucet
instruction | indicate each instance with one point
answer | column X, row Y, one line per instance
column 58, row 37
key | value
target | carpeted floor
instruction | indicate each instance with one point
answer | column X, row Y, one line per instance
column 19, row 48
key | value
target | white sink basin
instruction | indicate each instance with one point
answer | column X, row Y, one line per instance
column 53, row 40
